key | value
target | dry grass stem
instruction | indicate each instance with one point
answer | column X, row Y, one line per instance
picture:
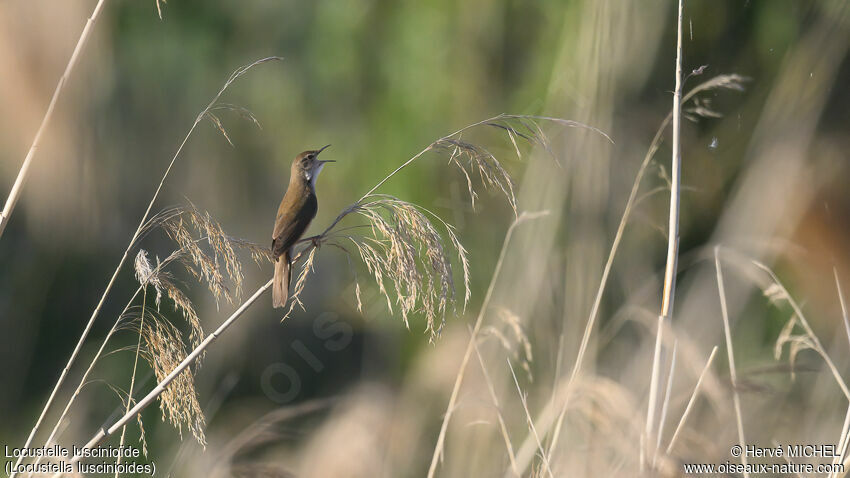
column 669, row 291
column 129, row 397
column 670, row 374
column 472, row 158
column 17, row 188
column 692, row 400
column 543, row 456
column 502, row 427
column 159, row 7
column 845, row 428
column 731, row 355
column 844, row 314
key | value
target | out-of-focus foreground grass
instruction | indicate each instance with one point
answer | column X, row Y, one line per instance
column 380, row 80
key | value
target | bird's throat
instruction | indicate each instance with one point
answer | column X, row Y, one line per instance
column 313, row 175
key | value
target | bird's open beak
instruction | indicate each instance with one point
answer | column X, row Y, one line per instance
column 321, row 162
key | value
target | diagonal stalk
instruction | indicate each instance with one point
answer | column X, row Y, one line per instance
column 15, row 193
column 151, row 397
column 133, row 374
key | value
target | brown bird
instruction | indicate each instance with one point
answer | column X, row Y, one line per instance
column 296, row 210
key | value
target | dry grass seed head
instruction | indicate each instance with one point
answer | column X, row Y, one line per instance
column 162, row 281
column 300, row 282
column 164, row 350
column 470, row 157
column 514, row 340
column 797, row 343
column 206, row 251
column 213, row 264
column 406, row 254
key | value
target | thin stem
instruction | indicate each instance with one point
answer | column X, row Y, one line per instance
column 693, row 398
column 676, row 181
column 672, row 233
column 105, row 433
column 15, row 193
column 845, row 428
column 502, row 427
column 842, row 440
column 844, row 314
column 470, row 346
column 524, row 401
column 667, row 394
column 136, row 235
column 732, row 374
column 133, row 375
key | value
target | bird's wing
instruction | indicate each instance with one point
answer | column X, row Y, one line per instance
column 292, row 220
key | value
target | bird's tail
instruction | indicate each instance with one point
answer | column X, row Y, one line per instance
column 282, row 278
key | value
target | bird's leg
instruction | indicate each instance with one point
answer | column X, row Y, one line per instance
column 315, row 240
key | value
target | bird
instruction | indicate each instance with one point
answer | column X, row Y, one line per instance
column 296, row 211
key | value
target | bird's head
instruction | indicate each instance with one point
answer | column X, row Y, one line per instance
column 307, row 166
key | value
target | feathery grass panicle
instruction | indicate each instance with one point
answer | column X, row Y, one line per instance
column 467, row 155
column 212, row 264
column 406, row 251
column 163, row 282
column 406, row 255
column 209, row 254
column 206, row 250
column 259, row 254
column 471, row 158
column 516, row 342
column 301, row 281
column 164, row 350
